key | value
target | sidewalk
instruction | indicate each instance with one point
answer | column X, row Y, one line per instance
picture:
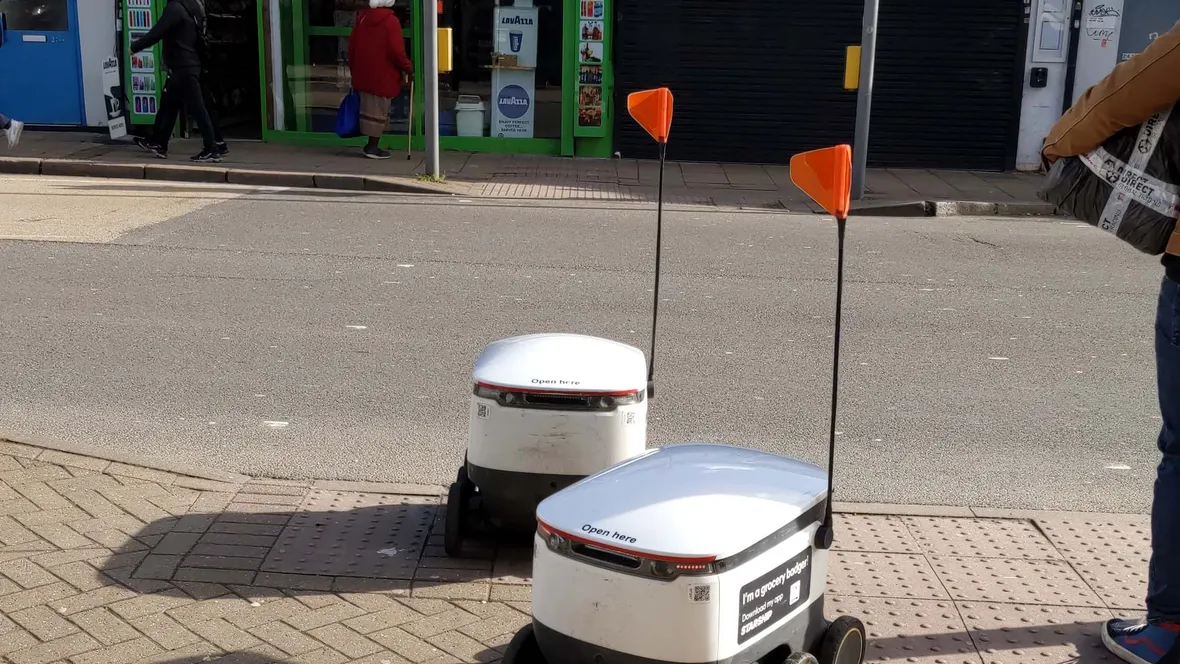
column 901, row 192
column 107, row 563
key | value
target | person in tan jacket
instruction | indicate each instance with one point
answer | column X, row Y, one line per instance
column 1128, row 96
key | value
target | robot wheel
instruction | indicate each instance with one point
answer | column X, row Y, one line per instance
column 801, row 658
column 844, row 642
column 458, row 513
column 523, row 648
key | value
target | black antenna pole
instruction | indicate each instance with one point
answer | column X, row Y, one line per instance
column 824, row 536
column 655, row 307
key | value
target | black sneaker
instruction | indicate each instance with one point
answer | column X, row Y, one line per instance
column 375, row 153
column 148, row 146
column 207, row 157
column 223, row 148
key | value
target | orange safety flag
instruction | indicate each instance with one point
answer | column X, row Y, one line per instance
column 652, row 109
column 826, row 176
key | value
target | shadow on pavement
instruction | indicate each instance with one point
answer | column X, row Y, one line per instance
column 337, row 542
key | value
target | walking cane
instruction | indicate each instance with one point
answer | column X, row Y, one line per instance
column 410, row 132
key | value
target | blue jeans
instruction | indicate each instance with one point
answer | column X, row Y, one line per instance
column 1163, row 584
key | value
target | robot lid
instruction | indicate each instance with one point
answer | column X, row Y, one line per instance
column 699, row 501
column 562, row 363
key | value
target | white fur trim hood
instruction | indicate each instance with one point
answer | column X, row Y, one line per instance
column 374, row 4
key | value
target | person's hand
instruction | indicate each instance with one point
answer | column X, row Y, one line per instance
column 409, row 78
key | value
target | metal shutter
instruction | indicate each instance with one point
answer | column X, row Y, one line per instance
column 754, row 81
column 948, row 82
column 765, row 81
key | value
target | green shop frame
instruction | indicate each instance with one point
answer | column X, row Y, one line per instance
column 145, row 71
column 587, row 128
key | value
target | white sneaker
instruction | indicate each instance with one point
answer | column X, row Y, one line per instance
column 15, row 127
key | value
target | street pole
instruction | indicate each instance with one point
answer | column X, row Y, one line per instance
column 430, row 87
column 864, row 98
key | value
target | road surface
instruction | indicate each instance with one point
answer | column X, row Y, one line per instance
column 987, row 362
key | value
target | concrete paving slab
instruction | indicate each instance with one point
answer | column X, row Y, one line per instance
column 907, row 630
column 1018, row 634
column 980, row 538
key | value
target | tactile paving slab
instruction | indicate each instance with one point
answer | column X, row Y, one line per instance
column 1110, row 554
column 986, row 538
column 904, row 630
column 883, row 575
column 1049, row 582
column 350, row 534
column 1019, row 634
column 872, row 534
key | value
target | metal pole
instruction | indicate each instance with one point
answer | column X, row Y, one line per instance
column 864, row 98
column 430, row 77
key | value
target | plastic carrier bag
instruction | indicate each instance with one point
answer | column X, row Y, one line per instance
column 1128, row 186
column 348, row 116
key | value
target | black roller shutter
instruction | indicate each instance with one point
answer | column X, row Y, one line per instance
column 754, row 80
column 948, row 82
column 760, row 80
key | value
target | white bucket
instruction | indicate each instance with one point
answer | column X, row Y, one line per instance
column 469, row 115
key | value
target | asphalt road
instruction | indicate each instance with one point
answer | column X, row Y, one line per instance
column 986, row 362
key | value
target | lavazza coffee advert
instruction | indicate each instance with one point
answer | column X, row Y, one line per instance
column 773, row 596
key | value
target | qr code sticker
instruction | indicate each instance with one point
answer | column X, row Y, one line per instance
column 629, row 418
column 481, row 411
column 700, row 593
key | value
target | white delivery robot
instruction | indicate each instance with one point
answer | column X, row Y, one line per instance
column 547, row 410
column 686, row 554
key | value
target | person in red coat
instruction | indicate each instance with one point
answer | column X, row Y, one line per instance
column 378, row 61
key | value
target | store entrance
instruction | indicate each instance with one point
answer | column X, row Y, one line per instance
column 233, row 73
column 472, row 87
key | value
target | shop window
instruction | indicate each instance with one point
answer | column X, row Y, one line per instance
column 505, row 78
column 36, row 15
column 315, row 77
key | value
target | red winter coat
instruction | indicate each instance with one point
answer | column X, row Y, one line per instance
column 377, row 53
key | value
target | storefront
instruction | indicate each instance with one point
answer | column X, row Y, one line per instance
column 530, row 77
column 763, row 82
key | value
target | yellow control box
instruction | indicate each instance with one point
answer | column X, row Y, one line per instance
column 852, row 68
column 445, row 50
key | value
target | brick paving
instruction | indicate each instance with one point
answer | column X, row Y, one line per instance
column 630, row 180
column 108, row 563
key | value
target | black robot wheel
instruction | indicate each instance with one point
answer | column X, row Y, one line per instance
column 456, row 520
column 523, row 648
column 799, row 658
column 844, row 642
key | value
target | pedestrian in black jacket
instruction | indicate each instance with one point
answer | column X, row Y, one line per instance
column 181, row 30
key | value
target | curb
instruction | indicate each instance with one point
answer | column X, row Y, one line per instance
column 219, row 175
column 71, row 455
column 401, row 185
column 75, row 456
column 944, row 208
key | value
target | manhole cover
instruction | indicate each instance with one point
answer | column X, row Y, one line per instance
column 349, row 534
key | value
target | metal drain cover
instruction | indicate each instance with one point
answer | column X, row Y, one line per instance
column 349, row 534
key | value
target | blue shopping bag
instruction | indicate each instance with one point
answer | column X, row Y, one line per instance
column 348, row 118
